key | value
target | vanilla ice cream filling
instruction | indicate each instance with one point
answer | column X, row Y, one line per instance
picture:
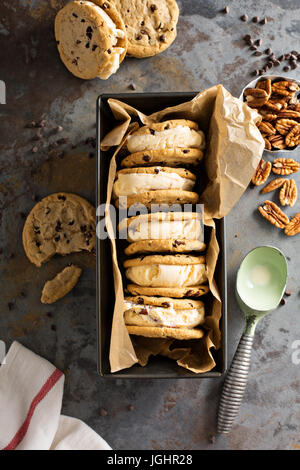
column 135, row 183
column 152, row 230
column 180, row 136
column 115, row 34
column 152, row 315
column 167, row 275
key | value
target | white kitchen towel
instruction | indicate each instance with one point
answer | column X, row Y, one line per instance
column 31, row 391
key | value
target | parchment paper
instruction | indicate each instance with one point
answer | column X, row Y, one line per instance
column 234, row 148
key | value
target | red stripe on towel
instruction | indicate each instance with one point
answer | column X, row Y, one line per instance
column 19, row 436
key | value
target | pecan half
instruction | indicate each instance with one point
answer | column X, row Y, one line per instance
column 268, row 146
column 273, row 106
column 288, row 193
column 293, row 227
column 285, row 166
column 266, row 128
column 277, row 141
column 289, row 113
column 274, row 184
column 293, row 137
column 256, row 97
column 274, row 214
column 284, row 126
column 294, row 106
column 265, row 85
column 262, row 173
column 284, row 88
column 267, row 115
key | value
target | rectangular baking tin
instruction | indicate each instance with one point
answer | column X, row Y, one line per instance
column 158, row 367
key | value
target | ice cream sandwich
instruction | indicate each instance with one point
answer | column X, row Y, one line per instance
column 164, row 317
column 166, row 271
column 163, row 232
column 171, row 134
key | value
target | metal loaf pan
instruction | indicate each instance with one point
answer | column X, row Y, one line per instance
column 158, row 367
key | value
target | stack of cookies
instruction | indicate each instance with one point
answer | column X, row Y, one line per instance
column 93, row 37
column 165, row 272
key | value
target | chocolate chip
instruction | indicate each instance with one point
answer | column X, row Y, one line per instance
column 61, row 197
column 83, row 228
column 144, row 311
column 78, row 41
column 38, row 244
column 53, row 327
column 83, row 20
column 153, row 8
column 152, row 131
column 140, row 301
column 49, row 314
column 255, row 72
column 166, row 304
column 132, row 86
column 255, row 19
column 87, row 45
column 10, row 305
column 281, row 58
column 57, row 238
column 108, row 51
column 268, row 51
column 162, row 38
column 156, row 170
column 74, row 14
column 139, row 37
column 105, row 6
column 247, row 37
column 276, row 63
column 244, row 17
column 253, row 48
column 263, row 21
column 258, row 42
column 103, row 412
column 146, row 158
column 294, row 64
column 188, row 292
column 130, row 407
column 257, row 53
column 94, row 47
column 186, row 151
column 71, row 222
column 288, row 293
column 142, row 23
column 226, row 10
column 282, row 302
column 286, row 68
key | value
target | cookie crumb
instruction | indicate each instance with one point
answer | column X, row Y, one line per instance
column 103, row 412
column 130, row 407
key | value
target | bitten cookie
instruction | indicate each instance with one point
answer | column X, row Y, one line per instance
column 61, row 223
column 169, row 157
column 90, row 38
column 61, row 284
column 171, row 134
column 150, row 25
column 178, row 270
column 131, row 181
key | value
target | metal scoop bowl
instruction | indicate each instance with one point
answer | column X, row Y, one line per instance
column 260, row 285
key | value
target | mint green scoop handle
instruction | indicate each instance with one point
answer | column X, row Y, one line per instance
column 235, row 384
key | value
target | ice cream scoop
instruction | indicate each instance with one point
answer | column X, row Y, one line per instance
column 260, row 285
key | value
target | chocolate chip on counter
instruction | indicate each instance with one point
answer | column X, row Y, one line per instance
column 263, row 21
column 270, row 64
column 281, row 57
column 53, row 327
column 258, row 42
column 293, row 57
column 103, row 412
column 262, row 71
column 247, row 37
column 250, row 42
column 132, row 86
column 294, row 52
column 257, row 53
column 226, row 10
column 244, row 17
column 282, row 302
column 288, row 293
column 253, row 48
column 255, row 72
column 255, row 19
column 130, row 407
column 276, row 62
column 42, row 123
column 268, row 51
column 287, row 56
column 36, row 197
column 286, row 68
column 30, row 125
column 294, row 64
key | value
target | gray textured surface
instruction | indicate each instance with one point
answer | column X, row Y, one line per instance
column 167, row 414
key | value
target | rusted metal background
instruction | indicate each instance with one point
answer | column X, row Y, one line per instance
column 167, row 414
